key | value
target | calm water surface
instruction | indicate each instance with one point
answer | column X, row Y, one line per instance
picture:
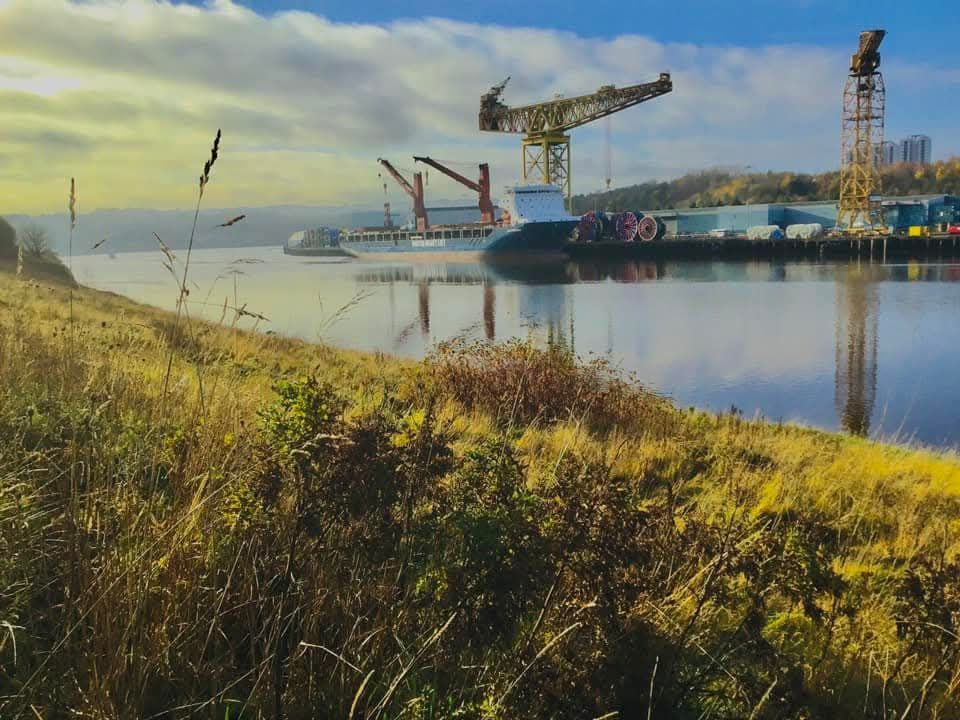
column 866, row 348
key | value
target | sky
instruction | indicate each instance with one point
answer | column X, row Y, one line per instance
column 126, row 95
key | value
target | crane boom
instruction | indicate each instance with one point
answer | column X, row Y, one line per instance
column 482, row 188
column 558, row 116
column 395, row 174
column 415, row 192
column 453, row 174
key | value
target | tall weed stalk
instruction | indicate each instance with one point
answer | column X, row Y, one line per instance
column 183, row 290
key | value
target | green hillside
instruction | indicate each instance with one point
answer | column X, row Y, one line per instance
column 716, row 187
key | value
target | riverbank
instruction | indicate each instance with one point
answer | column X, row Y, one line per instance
column 270, row 526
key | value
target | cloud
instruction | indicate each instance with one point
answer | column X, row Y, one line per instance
column 126, row 94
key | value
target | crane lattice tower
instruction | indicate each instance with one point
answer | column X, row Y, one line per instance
column 864, row 97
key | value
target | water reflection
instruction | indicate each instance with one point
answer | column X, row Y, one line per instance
column 798, row 341
column 544, row 301
column 856, row 350
column 489, row 312
column 423, row 305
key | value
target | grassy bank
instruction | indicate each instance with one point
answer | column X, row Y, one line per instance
column 302, row 532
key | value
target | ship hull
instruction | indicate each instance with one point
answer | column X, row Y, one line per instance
column 315, row 251
column 529, row 239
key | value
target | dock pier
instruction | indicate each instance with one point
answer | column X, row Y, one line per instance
column 877, row 247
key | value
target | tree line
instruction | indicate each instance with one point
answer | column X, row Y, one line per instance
column 710, row 188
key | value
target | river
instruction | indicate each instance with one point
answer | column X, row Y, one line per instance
column 867, row 348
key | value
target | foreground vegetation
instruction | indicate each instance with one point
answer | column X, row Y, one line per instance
column 498, row 532
column 717, row 187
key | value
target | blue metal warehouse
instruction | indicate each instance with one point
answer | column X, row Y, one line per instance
column 899, row 213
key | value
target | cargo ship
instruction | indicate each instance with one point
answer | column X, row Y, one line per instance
column 533, row 222
column 315, row 242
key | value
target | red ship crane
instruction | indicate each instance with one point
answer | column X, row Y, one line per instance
column 482, row 188
column 415, row 192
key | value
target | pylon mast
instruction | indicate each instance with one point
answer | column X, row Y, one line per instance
column 545, row 146
column 864, row 98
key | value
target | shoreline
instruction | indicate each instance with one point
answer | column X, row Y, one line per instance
column 303, row 349
column 544, row 274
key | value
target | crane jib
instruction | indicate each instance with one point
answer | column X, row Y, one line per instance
column 565, row 114
column 545, row 146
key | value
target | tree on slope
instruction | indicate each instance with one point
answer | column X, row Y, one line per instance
column 36, row 244
column 8, row 241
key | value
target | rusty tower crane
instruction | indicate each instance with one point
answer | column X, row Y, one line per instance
column 545, row 143
column 864, row 98
column 482, row 187
column 415, row 191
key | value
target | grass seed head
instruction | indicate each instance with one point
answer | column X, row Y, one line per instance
column 73, row 203
column 208, row 165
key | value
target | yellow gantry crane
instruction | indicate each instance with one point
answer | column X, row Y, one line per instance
column 862, row 137
column 546, row 144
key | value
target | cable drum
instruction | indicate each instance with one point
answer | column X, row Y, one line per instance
column 626, row 226
column 647, row 229
column 587, row 227
column 604, row 226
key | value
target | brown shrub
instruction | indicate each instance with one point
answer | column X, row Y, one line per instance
column 518, row 383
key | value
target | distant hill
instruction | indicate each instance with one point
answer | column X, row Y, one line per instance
column 132, row 229
column 717, row 187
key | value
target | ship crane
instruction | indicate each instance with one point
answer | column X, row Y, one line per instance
column 482, row 188
column 545, row 142
column 415, row 192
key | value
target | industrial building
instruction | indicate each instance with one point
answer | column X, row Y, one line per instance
column 899, row 213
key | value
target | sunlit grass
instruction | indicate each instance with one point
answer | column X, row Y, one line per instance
column 488, row 534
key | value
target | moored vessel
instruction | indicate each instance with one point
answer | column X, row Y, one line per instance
column 533, row 222
column 315, row 242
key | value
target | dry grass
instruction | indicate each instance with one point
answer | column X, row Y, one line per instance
column 378, row 538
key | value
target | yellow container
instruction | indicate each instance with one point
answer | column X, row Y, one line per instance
column 918, row 231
